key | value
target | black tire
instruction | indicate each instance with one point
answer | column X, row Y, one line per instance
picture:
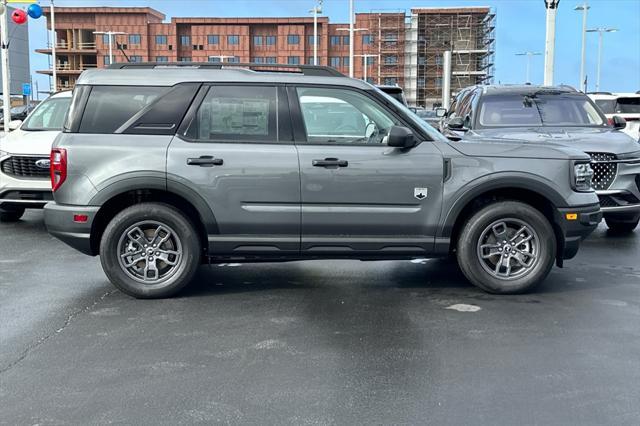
column 181, row 238
column 622, row 226
column 11, row 214
column 483, row 224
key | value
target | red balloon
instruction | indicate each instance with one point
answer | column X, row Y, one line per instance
column 19, row 16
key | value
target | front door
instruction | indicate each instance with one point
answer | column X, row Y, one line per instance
column 360, row 196
column 237, row 153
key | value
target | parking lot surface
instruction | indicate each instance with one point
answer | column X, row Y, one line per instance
column 322, row 342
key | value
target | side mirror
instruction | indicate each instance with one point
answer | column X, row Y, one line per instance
column 456, row 123
column 618, row 122
column 401, row 137
column 441, row 112
column 14, row 124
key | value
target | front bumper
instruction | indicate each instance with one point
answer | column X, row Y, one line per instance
column 31, row 193
column 573, row 231
column 59, row 220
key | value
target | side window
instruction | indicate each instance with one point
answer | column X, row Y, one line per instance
column 342, row 116
column 236, row 113
column 109, row 107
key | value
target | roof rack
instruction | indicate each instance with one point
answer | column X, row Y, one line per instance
column 599, row 93
column 309, row 70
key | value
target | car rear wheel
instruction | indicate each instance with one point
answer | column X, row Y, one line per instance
column 507, row 247
column 10, row 214
column 622, row 226
column 150, row 250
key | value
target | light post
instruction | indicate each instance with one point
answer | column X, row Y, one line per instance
column 6, row 89
column 54, row 39
column 584, row 7
column 110, row 35
column 352, row 32
column 529, row 55
column 550, row 40
column 600, row 31
column 317, row 9
column 364, row 61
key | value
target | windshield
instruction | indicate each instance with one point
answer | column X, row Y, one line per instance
column 538, row 109
column 49, row 115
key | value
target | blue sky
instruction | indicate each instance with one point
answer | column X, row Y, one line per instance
column 520, row 27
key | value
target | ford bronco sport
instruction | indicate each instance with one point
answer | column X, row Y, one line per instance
column 163, row 167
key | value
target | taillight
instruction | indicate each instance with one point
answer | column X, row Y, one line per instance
column 58, row 167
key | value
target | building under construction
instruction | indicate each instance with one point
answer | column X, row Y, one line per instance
column 468, row 32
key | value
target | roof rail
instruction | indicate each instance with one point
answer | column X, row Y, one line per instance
column 309, row 70
column 599, row 93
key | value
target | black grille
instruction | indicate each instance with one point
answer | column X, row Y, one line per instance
column 24, row 167
column 604, row 172
column 607, row 201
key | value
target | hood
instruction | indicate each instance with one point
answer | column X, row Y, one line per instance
column 487, row 147
column 586, row 139
column 28, row 142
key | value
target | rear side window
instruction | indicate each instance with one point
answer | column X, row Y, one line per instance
column 109, row 107
column 236, row 113
column 628, row 106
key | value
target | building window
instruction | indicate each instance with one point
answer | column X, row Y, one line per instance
column 390, row 39
column 184, row 59
column 213, row 39
column 345, row 61
column 334, row 40
column 214, row 59
column 422, row 60
column 233, row 39
column 257, row 40
column 121, row 46
column 293, row 39
column 310, row 60
column 233, row 60
column 334, row 61
column 271, row 60
column 371, row 60
column 162, row 59
column 270, row 40
column 438, row 81
column 161, row 39
column 185, row 40
column 106, row 59
column 257, row 60
column 310, row 40
column 105, row 38
column 367, row 39
column 422, row 82
column 390, row 60
column 135, row 58
column 370, row 80
column 438, row 60
column 345, row 40
column 390, row 81
column 293, row 60
column 135, row 38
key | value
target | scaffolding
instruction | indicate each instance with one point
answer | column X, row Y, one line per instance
column 469, row 32
column 387, row 32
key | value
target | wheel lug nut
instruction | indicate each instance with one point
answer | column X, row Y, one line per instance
column 157, row 253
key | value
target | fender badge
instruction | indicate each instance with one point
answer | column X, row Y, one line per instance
column 420, row 193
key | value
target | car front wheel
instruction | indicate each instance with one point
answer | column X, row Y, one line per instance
column 150, row 250
column 507, row 247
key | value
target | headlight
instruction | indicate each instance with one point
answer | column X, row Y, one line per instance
column 582, row 177
column 2, row 154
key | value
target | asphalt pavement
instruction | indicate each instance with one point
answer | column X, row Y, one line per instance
column 319, row 342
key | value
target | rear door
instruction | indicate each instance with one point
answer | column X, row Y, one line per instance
column 360, row 196
column 235, row 150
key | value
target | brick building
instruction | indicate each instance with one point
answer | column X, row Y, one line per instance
column 381, row 44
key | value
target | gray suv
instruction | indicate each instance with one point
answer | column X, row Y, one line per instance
column 558, row 115
column 163, row 167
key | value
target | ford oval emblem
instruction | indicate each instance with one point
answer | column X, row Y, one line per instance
column 43, row 164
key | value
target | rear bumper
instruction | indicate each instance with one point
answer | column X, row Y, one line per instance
column 574, row 231
column 59, row 222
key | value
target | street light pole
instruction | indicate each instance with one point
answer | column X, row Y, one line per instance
column 110, row 35
column 351, row 38
column 584, row 7
column 6, row 89
column 600, row 31
column 316, row 10
column 529, row 55
column 550, row 41
column 364, row 62
column 54, row 40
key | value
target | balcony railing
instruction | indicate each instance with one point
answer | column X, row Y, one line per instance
column 65, row 45
column 69, row 67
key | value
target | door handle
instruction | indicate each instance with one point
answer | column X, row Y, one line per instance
column 205, row 161
column 330, row 163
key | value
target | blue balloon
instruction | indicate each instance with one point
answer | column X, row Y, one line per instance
column 34, row 11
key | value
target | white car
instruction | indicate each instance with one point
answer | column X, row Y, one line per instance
column 625, row 105
column 24, row 157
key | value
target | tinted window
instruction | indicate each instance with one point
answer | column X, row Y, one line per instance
column 109, row 107
column 538, row 110
column 628, row 105
column 49, row 115
column 608, row 106
column 236, row 113
column 334, row 116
